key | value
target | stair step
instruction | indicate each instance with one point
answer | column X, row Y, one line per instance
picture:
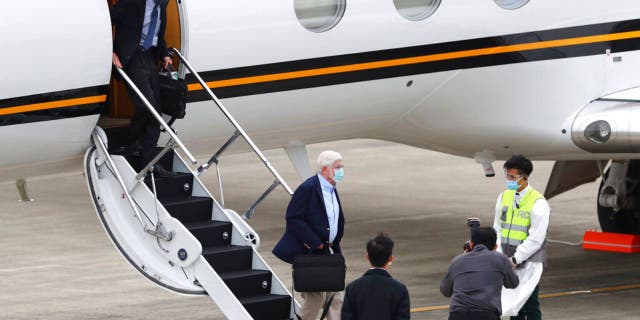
column 211, row 233
column 167, row 160
column 118, row 137
column 268, row 307
column 190, row 209
column 178, row 186
column 229, row 258
column 248, row 283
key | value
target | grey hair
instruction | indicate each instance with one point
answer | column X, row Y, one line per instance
column 326, row 159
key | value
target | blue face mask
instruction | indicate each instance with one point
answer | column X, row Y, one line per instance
column 512, row 185
column 338, row 174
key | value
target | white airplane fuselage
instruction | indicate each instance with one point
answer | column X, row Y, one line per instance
column 471, row 78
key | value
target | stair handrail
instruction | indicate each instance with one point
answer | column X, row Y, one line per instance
column 157, row 230
column 157, row 116
column 237, row 126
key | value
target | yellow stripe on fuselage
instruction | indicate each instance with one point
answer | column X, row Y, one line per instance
column 416, row 60
column 53, row 105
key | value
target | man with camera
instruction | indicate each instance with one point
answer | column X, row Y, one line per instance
column 521, row 221
column 475, row 279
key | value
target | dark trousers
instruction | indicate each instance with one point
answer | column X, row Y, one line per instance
column 145, row 129
column 531, row 309
column 474, row 315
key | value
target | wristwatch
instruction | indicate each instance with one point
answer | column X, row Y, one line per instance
column 513, row 259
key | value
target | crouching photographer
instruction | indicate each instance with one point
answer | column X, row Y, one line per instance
column 475, row 278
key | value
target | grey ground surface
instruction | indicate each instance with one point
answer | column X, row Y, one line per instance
column 57, row 263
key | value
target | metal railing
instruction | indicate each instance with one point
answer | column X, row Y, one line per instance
column 173, row 141
column 158, row 231
column 239, row 131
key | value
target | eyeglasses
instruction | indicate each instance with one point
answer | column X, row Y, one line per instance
column 513, row 177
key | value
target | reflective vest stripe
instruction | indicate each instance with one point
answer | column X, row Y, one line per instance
column 515, row 228
column 513, row 242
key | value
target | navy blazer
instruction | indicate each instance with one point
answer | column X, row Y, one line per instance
column 307, row 222
column 376, row 296
column 127, row 16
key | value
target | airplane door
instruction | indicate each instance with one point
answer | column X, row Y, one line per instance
column 621, row 64
column 621, row 71
column 119, row 103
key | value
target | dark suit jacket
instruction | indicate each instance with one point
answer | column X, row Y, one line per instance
column 127, row 16
column 307, row 222
column 376, row 296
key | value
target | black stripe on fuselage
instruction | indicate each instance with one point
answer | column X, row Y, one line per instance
column 71, row 111
column 560, row 52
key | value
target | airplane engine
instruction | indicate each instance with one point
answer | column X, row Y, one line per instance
column 613, row 126
column 608, row 126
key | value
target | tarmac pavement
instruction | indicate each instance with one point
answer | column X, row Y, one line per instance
column 59, row 264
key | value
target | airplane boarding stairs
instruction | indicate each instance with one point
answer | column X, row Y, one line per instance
column 174, row 232
column 210, row 250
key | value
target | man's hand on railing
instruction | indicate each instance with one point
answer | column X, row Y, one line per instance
column 116, row 61
column 166, row 61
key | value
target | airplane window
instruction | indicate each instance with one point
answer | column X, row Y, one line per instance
column 416, row 10
column 319, row 15
column 511, row 4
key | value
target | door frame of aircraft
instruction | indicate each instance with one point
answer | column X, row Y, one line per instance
column 118, row 103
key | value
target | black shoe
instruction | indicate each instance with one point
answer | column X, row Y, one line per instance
column 161, row 172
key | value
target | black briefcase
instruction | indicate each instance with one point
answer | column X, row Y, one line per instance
column 319, row 272
column 173, row 95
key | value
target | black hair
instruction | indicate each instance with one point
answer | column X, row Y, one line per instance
column 380, row 249
column 485, row 236
column 519, row 162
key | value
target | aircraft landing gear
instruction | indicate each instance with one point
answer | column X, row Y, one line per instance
column 619, row 198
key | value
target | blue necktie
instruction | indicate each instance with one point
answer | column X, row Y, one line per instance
column 148, row 41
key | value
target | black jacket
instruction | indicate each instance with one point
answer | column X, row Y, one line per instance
column 307, row 222
column 375, row 296
column 127, row 16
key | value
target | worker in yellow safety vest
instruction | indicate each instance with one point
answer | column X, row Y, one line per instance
column 521, row 222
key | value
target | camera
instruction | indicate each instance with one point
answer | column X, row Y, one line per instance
column 473, row 223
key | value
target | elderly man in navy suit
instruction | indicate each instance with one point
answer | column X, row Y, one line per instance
column 315, row 222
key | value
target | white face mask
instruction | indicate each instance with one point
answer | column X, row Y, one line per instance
column 338, row 174
column 514, row 184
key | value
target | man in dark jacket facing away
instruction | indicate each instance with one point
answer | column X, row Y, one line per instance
column 376, row 295
column 475, row 279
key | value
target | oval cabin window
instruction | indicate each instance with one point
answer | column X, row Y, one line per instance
column 416, row 10
column 319, row 15
column 511, row 4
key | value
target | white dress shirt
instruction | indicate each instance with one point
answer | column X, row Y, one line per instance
column 147, row 23
column 332, row 206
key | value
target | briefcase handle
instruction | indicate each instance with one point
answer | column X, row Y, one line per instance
column 326, row 250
